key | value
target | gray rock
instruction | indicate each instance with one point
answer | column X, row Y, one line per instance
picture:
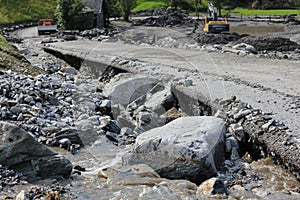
column 185, row 82
column 124, row 120
column 29, row 99
column 94, row 120
column 266, row 126
column 53, row 100
column 221, row 114
column 15, row 110
column 22, row 153
column 228, row 146
column 237, row 131
column 69, row 70
column 242, row 113
column 126, row 91
column 211, row 187
column 22, row 196
column 112, row 136
column 20, row 117
column 234, row 154
column 144, row 119
column 109, row 125
column 188, row 147
column 245, row 47
column 65, row 143
column 126, row 131
column 105, row 107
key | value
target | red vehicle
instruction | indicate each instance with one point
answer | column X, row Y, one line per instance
column 46, row 26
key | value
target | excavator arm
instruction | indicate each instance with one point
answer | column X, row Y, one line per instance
column 212, row 24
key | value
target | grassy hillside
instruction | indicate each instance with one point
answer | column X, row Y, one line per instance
column 10, row 59
column 149, row 5
column 25, row 10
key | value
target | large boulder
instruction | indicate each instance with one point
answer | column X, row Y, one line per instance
column 188, row 147
column 22, row 153
column 125, row 91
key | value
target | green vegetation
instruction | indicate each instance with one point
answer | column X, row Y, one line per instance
column 126, row 6
column 247, row 12
column 70, row 15
column 25, row 10
column 149, row 5
column 10, row 59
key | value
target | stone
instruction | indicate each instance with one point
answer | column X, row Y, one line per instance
column 15, row 110
column 94, row 120
column 22, row 196
column 238, row 132
column 125, row 120
column 159, row 99
column 69, row 70
column 242, row 113
column 22, row 153
column 126, row 131
column 144, row 119
column 220, row 114
column 54, row 101
column 29, row 99
column 210, row 187
column 105, row 107
column 185, row 82
column 188, row 147
column 109, row 125
column 245, row 47
column 234, row 154
column 128, row 90
column 231, row 142
column 65, row 143
column 112, row 136
column 239, row 192
column 267, row 125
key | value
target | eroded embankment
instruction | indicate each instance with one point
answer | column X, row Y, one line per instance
column 257, row 132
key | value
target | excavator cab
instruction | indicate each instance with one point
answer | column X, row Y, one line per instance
column 212, row 24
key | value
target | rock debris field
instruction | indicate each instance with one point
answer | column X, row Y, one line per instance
column 141, row 130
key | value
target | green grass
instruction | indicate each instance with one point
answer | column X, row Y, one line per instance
column 12, row 60
column 247, row 12
column 25, row 10
column 149, row 5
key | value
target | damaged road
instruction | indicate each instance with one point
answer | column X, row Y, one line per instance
column 203, row 83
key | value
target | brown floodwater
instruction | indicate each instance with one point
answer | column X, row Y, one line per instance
column 102, row 153
column 257, row 29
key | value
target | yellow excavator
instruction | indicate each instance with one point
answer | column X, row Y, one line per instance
column 212, row 24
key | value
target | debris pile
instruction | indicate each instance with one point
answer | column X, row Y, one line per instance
column 169, row 19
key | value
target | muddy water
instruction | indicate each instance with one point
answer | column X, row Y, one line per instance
column 257, row 30
column 102, row 154
column 274, row 177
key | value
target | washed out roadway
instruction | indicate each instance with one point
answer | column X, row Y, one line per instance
column 272, row 85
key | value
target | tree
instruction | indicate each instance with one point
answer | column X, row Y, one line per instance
column 67, row 11
column 126, row 7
